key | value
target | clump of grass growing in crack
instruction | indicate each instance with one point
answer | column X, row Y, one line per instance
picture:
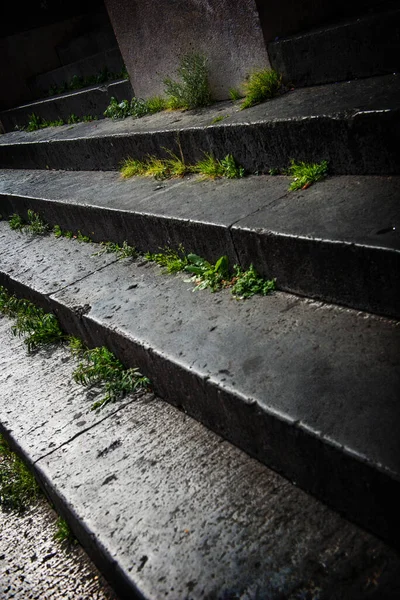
column 34, row 223
column 234, row 94
column 31, row 322
column 261, row 85
column 211, row 167
column 171, row 260
column 305, row 174
column 132, row 167
column 242, row 283
column 16, row 222
column 100, row 367
column 18, row 487
column 63, row 532
column 193, row 90
column 79, row 236
column 136, row 108
column 124, row 251
column 248, row 283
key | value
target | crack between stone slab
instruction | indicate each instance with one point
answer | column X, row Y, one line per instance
column 254, row 212
column 83, row 431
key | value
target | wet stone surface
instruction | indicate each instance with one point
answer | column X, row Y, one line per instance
column 33, row 566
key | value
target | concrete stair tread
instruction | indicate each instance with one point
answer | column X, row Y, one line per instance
column 351, row 220
column 338, row 122
column 310, row 389
column 166, row 508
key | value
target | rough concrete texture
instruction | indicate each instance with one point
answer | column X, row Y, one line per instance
column 360, row 48
column 352, row 125
column 339, row 230
column 168, row 509
column 294, row 383
column 34, row 566
column 91, row 101
column 227, row 32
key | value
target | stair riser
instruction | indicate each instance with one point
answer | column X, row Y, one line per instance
column 318, row 269
column 363, row 144
column 362, row 48
column 91, row 102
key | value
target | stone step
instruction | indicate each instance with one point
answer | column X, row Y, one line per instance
column 362, row 47
column 93, row 65
column 337, row 241
column 352, row 125
column 168, row 509
column 309, row 389
column 91, row 101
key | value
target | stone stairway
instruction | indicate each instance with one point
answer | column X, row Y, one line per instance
column 305, row 381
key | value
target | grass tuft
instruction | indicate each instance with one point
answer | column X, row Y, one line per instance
column 234, row 94
column 171, row 260
column 38, row 327
column 136, row 108
column 247, row 283
column 99, row 367
column 16, row 222
column 305, row 174
column 63, row 533
column 211, row 167
column 18, row 487
column 193, row 90
column 124, row 251
column 261, row 85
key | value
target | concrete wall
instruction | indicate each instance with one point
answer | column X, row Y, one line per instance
column 152, row 37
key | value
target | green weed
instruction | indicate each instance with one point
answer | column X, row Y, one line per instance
column 99, row 367
column 193, row 90
column 16, row 222
column 124, row 251
column 35, row 224
column 136, row 108
column 211, row 167
column 234, row 94
column 305, row 174
column 249, row 282
column 72, row 119
column 78, row 82
column 261, row 85
column 171, row 260
column 31, row 322
column 63, row 533
column 207, row 275
column 18, row 487
column 132, row 167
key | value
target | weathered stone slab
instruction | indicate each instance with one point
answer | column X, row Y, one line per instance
column 159, row 501
column 352, row 125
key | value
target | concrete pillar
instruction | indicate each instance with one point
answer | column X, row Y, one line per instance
column 153, row 36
